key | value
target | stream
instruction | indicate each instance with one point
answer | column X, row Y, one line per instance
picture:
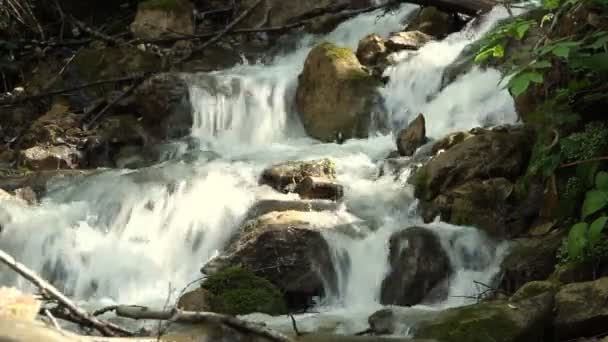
column 135, row 236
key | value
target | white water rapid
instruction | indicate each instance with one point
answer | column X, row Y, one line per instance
column 127, row 236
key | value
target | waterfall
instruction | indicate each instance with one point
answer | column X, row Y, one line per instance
column 127, row 236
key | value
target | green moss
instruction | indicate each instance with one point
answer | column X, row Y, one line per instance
column 166, row 5
column 236, row 291
column 474, row 323
column 533, row 289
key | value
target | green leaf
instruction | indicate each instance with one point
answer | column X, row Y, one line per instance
column 600, row 42
column 587, row 172
column 597, row 62
column 594, row 235
column 595, row 200
column 561, row 51
column 498, row 51
column 518, row 85
column 551, row 4
column 535, row 77
column 601, row 181
column 482, row 56
column 542, row 64
column 577, row 240
column 521, row 29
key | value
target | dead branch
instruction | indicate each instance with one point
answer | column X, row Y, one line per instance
column 294, row 325
column 92, row 122
column 94, row 33
column 68, row 90
column 583, row 162
column 105, row 328
column 52, row 318
column 140, row 312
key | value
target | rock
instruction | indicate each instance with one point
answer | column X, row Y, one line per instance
column 434, row 22
column 371, row 50
column 450, row 141
column 335, row 96
column 526, row 320
column 409, row 40
column 489, row 155
column 412, row 137
column 285, row 248
column 156, row 18
column 19, row 330
column 319, row 188
column 533, row 289
column 49, row 158
column 529, row 259
column 264, row 207
column 317, row 337
column 488, row 205
column 38, row 181
column 418, row 265
column 15, row 304
column 285, row 177
column 575, row 272
column 164, row 104
column 237, row 291
column 196, row 300
column 26, row 194
column 397, row 320
column 581, row 309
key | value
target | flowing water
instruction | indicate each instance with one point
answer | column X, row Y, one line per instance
column 130, row 236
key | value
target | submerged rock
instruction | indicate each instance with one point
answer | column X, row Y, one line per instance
column 418, row 265
column 285, row 248
column 526, row 320
column 267, row 206
column 335, row 96
column 156, row 18
column 412, row 137
column 581, row 309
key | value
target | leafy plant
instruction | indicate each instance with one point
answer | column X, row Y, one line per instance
column 583, row 236
column 494, row 44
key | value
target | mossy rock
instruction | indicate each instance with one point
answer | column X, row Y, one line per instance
column 236, row 291
column 497, row 321
column 533, row 289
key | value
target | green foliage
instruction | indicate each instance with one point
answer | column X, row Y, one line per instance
column 585, row 238
column 236, row 291
column 494, row 44
column 589, row 143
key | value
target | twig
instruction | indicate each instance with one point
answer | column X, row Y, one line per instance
column 106, row 328
column 294, row 325
column 583, row 162
column 67, row 90
column 91, row 122
column 228, row 27
column 137, row 312
column 93, row 32
column 52, row 318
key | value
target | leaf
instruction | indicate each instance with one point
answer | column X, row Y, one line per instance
column 521, row 29
column 498, row 51
column 535, row 77
column 594, row 234
column 542, row 64
column 595, row 200
column 601, row 181
column 600, row 42
column 577, row 240
column 597, row 62
column 561, row 51
column 482, row 56
column 587, row 172
column 518, row 85
column 551, row 4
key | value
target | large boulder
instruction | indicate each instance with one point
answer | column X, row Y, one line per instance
column 286, row 249
column 371, row 50
column 434, row 22
column 195, row 300
column 500, row 321
column 418, row 265
column 491, row 154
column 581, row 309
column 335, row 96
column 163, row 101
column 407, row 40
column 412, row 137
column 156, row 18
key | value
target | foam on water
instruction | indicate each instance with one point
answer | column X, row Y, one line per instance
column 124, row 236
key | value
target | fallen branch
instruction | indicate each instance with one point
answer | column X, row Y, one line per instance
column 582, row 162
column 91, row 122
column 52, row 318
column 93, row 33
column 139, row 312
column 105, row 328
column 228, row 27
column 68, row 90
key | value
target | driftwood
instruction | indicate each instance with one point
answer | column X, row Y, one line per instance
column 140, row 312
column 49, row 291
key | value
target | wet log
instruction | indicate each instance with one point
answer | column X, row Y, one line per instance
column 319, row 188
